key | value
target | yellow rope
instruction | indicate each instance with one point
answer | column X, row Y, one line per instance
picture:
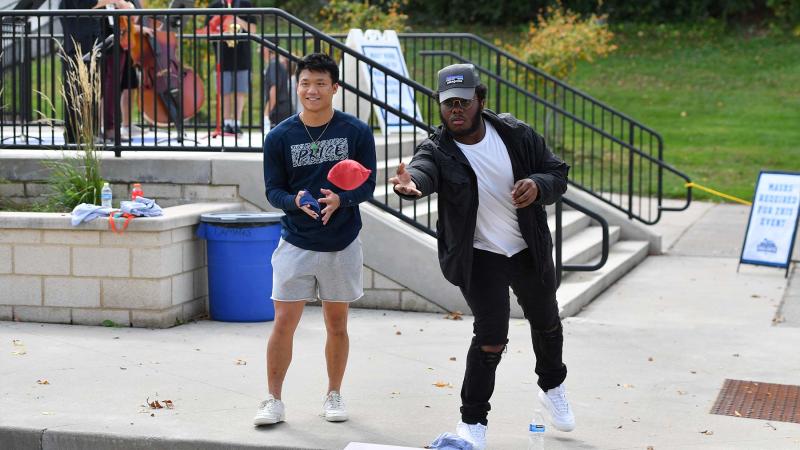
column 720, row 194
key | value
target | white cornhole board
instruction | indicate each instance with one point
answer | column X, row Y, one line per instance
column 383, row 48
column 772, row 228
column 364, row 446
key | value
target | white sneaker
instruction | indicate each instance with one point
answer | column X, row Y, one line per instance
column 475, row 434
column 333, row 408
column 558, row 410
column 270, row 411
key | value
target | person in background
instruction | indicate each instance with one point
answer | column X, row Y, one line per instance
column 235, row 65
column 81, row 34
column 277, row 88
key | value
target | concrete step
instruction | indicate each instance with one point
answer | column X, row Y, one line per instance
column 587, row 244
column 578, row 289
column 396, row 146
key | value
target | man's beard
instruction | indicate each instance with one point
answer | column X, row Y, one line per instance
column 476, row 124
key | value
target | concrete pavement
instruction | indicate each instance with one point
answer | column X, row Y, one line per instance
column 646, row 362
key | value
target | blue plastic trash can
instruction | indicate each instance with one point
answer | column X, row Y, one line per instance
column 239, row 249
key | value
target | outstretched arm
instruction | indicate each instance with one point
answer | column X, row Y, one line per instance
column 419, row 178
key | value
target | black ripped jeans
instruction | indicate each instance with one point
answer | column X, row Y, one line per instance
column 487, row 296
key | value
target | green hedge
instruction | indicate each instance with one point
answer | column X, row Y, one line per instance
column 468, row 12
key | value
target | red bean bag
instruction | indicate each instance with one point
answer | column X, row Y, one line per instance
column 348, row 174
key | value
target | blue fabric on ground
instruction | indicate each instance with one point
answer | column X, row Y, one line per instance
column 450, row 441
column 86, row 212
column 141, row 207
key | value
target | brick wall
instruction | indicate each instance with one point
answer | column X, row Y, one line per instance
column 141, row 278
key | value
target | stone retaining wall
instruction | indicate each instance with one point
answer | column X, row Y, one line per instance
column 152, row 275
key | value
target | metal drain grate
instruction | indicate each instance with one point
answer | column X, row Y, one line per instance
column 755, row 400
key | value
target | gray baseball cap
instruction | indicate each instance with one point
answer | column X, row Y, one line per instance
column 459, row 81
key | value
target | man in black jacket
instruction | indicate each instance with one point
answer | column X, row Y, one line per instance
column 494, row 175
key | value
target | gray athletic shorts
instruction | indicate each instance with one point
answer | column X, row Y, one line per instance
column 242, row 82
column 307, row 275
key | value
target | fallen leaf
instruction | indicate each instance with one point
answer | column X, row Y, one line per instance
column 454, row 315
column 398, row 333
column 755, row 296
column 778, row 319
column 42, row 381
column 17, row 343
column 735, row 355
column 771, row 426
column 442, row 384
column 395, row 392
column 707, row 432
column 421, row 329
column 452, row 358
column 123, row 368
column 152, row 414
column 619, row 427
column 169, row 404
column 683, row 114
column 241, row 362
column 650, row 359
column 427, row 406
column 650, row 447
column 737, row 413
column 19, row 353
column 47, row 413
column 681, row 392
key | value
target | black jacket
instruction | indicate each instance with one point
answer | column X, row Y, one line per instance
column 440, row 166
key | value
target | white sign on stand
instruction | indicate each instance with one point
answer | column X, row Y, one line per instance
column 383, row 48
column 772, row 227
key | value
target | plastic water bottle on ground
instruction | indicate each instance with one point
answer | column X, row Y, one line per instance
column 105, row 196
column 536, row 432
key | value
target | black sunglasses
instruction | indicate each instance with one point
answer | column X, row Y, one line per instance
column 462, row 103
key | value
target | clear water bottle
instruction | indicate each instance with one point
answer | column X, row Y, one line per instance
column 105, row 196
column 536, row 432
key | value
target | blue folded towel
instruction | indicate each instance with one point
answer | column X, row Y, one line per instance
column 450, row 441
column 141, row 207
column 86, row 212
column 308, row 199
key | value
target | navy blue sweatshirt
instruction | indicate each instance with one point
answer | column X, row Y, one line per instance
column 291, row 166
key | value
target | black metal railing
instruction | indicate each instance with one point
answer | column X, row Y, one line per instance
column 31, row 64
column 33, row 111
column 613, row 157
column 559, row 239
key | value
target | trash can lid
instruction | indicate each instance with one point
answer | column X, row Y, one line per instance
column 241, row 217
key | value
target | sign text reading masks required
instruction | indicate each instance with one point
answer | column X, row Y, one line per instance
column 773, row 220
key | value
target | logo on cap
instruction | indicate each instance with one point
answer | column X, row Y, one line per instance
column 453, row 79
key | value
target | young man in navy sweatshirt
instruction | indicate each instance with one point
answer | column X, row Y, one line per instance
column 319, row 255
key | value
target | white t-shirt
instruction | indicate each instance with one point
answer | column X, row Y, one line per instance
column 497, row 227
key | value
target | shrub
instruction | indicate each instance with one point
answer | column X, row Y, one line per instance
column 560, row 38
column 77, row 179
column 342, row 15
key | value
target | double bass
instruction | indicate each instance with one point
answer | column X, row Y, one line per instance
column 170, row 92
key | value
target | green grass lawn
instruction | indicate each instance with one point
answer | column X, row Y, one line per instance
column 727, row 103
